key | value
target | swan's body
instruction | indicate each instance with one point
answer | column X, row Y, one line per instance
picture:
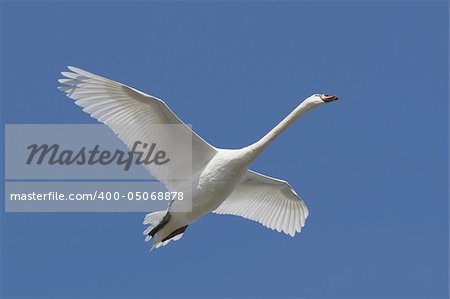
column 216, row 182
column 221, row 182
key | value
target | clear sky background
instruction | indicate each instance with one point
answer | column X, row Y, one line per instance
column 372, row 167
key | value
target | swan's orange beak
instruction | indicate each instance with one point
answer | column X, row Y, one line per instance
column 327, row 98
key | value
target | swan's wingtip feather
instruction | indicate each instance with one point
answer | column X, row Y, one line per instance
column 75, row 69
column 69, row 75
column 72, row 68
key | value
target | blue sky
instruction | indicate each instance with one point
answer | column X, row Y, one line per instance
column 372, row 167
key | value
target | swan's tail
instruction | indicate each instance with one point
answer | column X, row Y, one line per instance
column 174, row 236
column 156, row 222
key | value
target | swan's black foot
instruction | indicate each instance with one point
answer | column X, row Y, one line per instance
column 160, row 225
column 175, row 233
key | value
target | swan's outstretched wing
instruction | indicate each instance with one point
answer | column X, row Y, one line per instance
column 269, row 201
column 135, row 116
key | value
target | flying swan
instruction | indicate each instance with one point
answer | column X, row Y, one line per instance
column 221, row 180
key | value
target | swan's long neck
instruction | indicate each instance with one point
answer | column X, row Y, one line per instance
column 259, row 146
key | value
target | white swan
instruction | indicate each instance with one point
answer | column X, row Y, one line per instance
column 222, row 182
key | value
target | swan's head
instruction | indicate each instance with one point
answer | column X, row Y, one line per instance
column 320, row 98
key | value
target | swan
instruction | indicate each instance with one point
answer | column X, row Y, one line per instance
column 221, row 180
